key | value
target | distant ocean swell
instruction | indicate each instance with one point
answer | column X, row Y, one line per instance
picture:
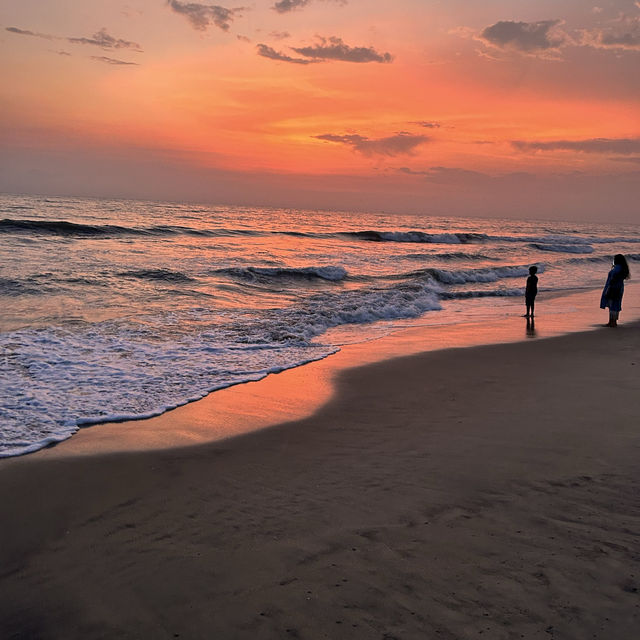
column 562, row 248
column 119, row 310
column 72, row 229
column 49, row 283
column 331, row 273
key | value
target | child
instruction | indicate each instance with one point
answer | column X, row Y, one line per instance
column 531, row 291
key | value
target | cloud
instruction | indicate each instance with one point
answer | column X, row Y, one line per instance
column 621, row 146
column 426, row 124
column 100, row 39
column 397, row 144
column 25, row 32
column 279, row 35
column 112, row 61
column 285, row 6
column 525, row 37
column 105, row 41
column 622, row 33
column 335, row 49
column 202, row 16
column 243, row 38
column 269, row 52
column 326, row 49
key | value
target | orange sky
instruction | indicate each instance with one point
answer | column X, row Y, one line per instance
column 327, row 103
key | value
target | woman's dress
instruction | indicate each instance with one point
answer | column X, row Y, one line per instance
column 613, row 290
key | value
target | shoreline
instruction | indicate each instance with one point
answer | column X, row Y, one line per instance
column 297, row 393
column 487, row 489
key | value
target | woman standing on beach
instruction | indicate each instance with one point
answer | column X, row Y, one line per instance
column 614, row 289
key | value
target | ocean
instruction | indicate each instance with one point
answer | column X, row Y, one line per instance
column 115, row 310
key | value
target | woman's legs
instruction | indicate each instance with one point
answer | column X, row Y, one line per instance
column 613, row 318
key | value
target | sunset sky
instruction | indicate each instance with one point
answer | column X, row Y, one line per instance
column 511, row 108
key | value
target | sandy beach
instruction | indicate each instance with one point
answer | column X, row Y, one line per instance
column 482, row 491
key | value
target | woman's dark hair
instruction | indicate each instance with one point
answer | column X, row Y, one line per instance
column 622, row 261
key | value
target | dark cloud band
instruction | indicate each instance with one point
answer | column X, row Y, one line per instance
column 397, row 144
column 335, row 49
column 325, row 50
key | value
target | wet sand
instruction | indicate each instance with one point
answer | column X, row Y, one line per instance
column 297, row 393
column 490, row 491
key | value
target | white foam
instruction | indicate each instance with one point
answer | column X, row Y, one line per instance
column 491, row 274
column 57, row 379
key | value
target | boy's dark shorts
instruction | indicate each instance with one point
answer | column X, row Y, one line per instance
column 529, row 299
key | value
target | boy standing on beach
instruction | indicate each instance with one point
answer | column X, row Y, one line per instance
column 531, row 291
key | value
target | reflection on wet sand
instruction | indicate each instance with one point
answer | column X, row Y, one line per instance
column 531, row 327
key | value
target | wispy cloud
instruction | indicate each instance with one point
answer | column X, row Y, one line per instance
column 105, row 41
column 279, row 35
column 26, row 32
column 622, row 33
column 621, row 146
column 426, row 124
column 269, row 52
column 202, row 16
column 398, row 144
column 285, row 6
column 531, row 38
column 334, row 48
column 100, row 39
column 325, row 50
column 113, row 61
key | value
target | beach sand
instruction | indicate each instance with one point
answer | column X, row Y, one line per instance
column 490, row 491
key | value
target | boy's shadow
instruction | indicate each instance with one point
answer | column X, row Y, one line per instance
column 531, row 327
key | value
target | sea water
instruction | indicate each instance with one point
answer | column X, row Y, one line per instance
column 113, row 310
